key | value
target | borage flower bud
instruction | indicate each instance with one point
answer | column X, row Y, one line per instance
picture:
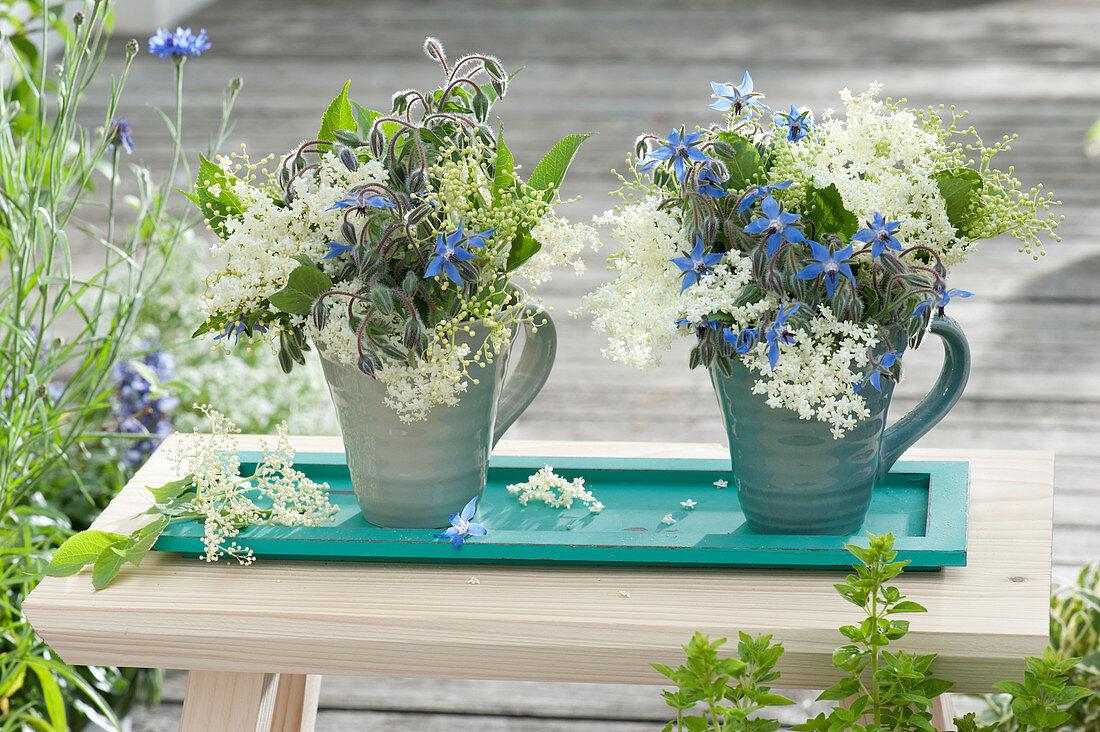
column 347, row 157
column 368, row 363
column 412, row 336
column 320, row 314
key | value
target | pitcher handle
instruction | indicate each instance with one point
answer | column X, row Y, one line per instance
column 540, row 344
column 939, row 400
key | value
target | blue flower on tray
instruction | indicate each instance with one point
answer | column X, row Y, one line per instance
column 461, row 526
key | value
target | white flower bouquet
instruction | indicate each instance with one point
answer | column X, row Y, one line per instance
column 812, row 252
column 382, row 239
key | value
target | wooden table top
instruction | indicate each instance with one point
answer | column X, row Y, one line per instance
column 551, row 623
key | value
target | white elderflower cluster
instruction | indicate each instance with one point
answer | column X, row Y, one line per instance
column 276, row 494
column 562, row 244
column 438, row 379
column 881, row 158
column 814, row 375
column 258, row 252
column 554, row 490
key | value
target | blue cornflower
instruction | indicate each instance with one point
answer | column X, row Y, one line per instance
column 736, row 98
column 336, row 249
column 710, row 183
column 778, row 333
column 695, row 265
column 360, row 201
column 678, row 149
column 880, row 234
column 879, row 368
column 448, row 251
column 234, row 328
column 757, row 192
column 743, row 340
column 461, row 527
column 941, row 301
column 775, row 225
column 798, row 124
column 119, row 134
column 182, row 43
column 830, row 264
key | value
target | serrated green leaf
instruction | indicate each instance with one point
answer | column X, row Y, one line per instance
column 109, row 562
column 825, row 208
column 215, row 209
column 957, row 187
column 143, row 540
column 170, row 490
column 305, row 284
column 51, row 694
column 338, row 116
column 80, row 549
column 524, row 246
column 550, row 172
column 744, row 164
column 505, row 176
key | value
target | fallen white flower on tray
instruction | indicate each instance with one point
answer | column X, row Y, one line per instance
column 554, row 490
column 668, row 519
column 473, row 581
column 688, row 504
column 721, row 483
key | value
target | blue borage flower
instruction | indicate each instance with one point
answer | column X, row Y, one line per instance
column 461, row 526
column 880, row 234
column 180, row 44
column 234, row 328
column 118, row 134
column 799, row 124
column 775, row 225
column 878, row 368
column 696, row 264
column 742, row 340
column 701, row 327
column 360, row 201
column 778, row 333
column 736, row 98
column 710, row 183
column 679, row 149
column 829, row 264
column 941, row 300
column 336, row 249
column 755, row 193
column 448, row 251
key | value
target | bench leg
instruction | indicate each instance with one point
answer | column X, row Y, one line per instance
column 218, row 701
column 943, row 712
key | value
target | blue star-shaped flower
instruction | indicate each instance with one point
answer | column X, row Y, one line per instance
column 182, row 43
column 360, row 201
column 736, row 98
column 461, row 526
column 829, row 264
column 709, row 182
column 882, row 366
column 941, row 301
column 880, row 234
column 743, row 340
column 696, row 264
column 449, row 250
column 778, row 333
column 336, row 249
column 775, row 225
column 119, row 134
column 757, row 192
column 798, row 124
column 234, row 328
column 678, row 149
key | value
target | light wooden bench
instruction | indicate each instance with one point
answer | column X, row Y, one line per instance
column 257, row 639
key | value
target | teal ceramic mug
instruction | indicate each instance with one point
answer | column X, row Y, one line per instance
column 415, row 475
column 792, row 477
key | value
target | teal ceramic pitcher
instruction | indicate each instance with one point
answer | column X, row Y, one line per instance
column 415, row 475
column 792, row 477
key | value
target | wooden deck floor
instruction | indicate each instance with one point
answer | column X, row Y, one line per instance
column 622, row 68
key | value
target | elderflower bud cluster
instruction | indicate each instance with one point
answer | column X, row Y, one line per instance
column 554, row 490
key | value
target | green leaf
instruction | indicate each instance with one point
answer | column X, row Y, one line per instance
column 338, row 116
column 170, row 490
column 957, row 187
column 907, row 606
column 215, row 209
column 524, row 246
column 550, row 171
column 143, row 540
column 1011, row 687
column 825, row 208
column 305, row 284
column 505, row 176
column 109, row 562
column 51, row 694
column 744, row 164
column 80, row 549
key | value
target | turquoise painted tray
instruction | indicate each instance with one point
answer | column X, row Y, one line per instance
column 924, row 504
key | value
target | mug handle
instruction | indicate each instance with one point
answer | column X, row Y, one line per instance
column 939, row 400
column 540, row 344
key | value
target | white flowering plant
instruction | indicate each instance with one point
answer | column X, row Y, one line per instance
column 811, row 252
column 384, row 237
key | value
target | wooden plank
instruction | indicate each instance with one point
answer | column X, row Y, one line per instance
column 223, row 701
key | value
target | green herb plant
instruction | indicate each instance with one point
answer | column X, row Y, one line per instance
column 881, row 690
